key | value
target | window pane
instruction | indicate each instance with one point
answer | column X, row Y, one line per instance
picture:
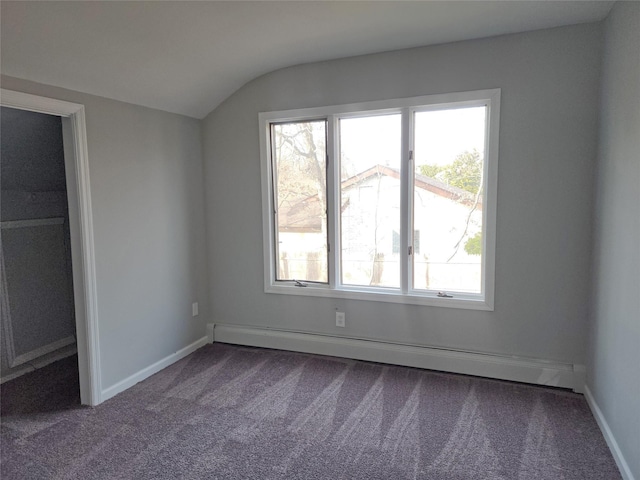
column 299, row 151
column 370, row 150
column 448, row 199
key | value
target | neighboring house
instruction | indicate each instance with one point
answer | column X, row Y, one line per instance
column 445, row 217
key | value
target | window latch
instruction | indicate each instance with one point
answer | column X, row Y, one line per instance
column 444, row 295
column 298, row 283
column 410, row 251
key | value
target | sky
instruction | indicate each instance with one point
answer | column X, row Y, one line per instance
column 440, row 136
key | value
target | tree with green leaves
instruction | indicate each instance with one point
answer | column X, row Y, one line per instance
column 473, row 246
column 464, row 172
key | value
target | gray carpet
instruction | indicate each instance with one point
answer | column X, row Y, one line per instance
column 228, row 412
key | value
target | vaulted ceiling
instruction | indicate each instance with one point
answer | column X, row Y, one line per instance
column 187, row 57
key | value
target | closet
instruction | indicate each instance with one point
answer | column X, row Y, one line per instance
column 36, row 289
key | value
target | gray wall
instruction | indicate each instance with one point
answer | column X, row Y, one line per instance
column 147, row 194
column 32, row 152
column 614, row 353
column 549, row 81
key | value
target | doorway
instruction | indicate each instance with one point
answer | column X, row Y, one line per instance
column 38, row 323
column 80, row 233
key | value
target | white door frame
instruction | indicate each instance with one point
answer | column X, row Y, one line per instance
column 81, row 226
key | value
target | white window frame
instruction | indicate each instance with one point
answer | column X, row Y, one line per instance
column 407, row 107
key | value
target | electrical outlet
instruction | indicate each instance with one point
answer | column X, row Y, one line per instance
column 194, row 309
column 340, row 319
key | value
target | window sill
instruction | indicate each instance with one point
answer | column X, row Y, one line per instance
column 468, row 302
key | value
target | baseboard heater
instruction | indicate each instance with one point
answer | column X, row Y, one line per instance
column 519, row 369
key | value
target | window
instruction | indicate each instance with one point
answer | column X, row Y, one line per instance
column 300, row 200
column 388, row 201
column 370, row 149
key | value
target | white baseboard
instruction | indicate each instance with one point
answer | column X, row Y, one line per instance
column 580, row 380
column 519, row 369
column 623, row 466
column 145, row 373
column 43, row 350
column 39, row 363
column 18, row 372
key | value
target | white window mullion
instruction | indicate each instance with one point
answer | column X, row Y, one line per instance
column 273, row 210
column 333, row 200
column 405, row 202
